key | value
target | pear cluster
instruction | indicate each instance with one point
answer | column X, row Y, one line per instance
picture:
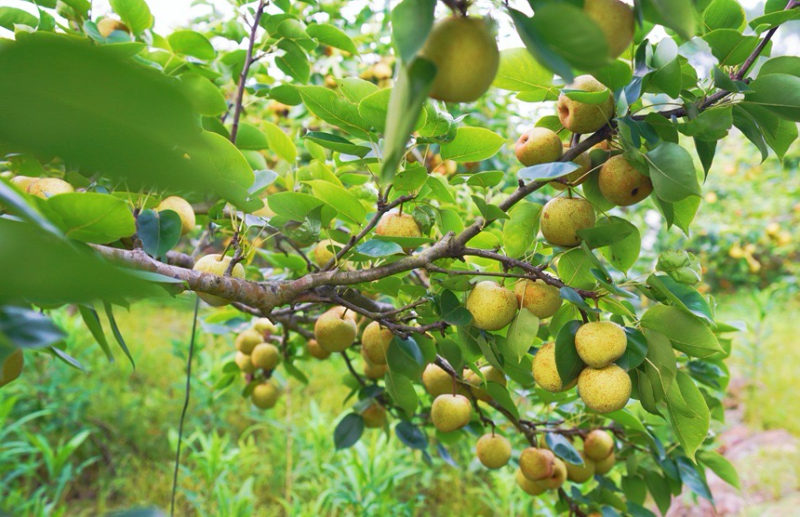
column 255, row 354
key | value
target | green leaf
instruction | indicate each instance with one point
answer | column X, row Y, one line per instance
column 562, row 448
column 26, row 328
column 279, row 142
column 519, row 232
column 355, row 89
column 568, row 362
column 778, row 93
column 293, row 61
column 92, row 217
column 729, row 46
column 374, row 109
column 251, row 138
column 452, row 311
column 472, row 144
column 667, row 74
column 682, row 296
column 538, row 47
column 781, row 65
column 520, row 72
column 92, row 321
column 133, row 13
column 117, row 334
column 205, row 97
column 724, row 14
column 191, row 43
column 623, row 253
column 348, row 431
column 339, row 198
column 678, row 15
column 522, row 333
column 689, row 413
column 411, row 435
column 673, row 173
column 333, row 109
column 500, row 394
column 402, row 391
column 710, row 125
column 158, row 231
column 546, row 171
column 614, row 75
column 337, row 143
column 575, row 269
column 774, row 19
column 332, row 36
column 635, row 351
column 606, row 234
column 720, row 466
column 377, row 248
column 10, row 16
column 412, row 20
column 687, row 333
column 411, row 179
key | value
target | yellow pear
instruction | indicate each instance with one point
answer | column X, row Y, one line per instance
column 557, row 478
column 542, row 299
column 528, row 486
column 606, row 389
column 493, row 450
column 264, row 326
column 492, row 306
column 184, row 210
column 581, row 117
column 243, row 362
column 621, row 183
column 265, row 356
column 216, row 264
column 316, row 351
column 579, row 175
column 247, row 340
column 600, row 343
column 23, row 182
column 395, row 224
column 375, row 342
column 49, row 187
column 373, row 371
column 537, row 464
column 451, row 412
column 108, row 25
column 615, row 19
column 11, row 367
column 335, row 332
column 545, row 372
column 324, row 252
column 538, row 145
column 374, row 416
column 439, row 382
column 343, row 312
column 581, row 473
column 465, row 53
column 562, row 217
column 598, row 445
column 491, row 374
column 266, row 395
column 605, row 465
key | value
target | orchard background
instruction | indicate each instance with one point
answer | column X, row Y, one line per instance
column 311, row 144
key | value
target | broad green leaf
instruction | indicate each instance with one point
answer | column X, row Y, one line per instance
column 520, row 72
column 606, row 234
column 411, row 22
column 687, row 333
column 472, row 144
column 781, row 65
column 729, row 46
column 191, row 43
column 204, row 95
column 538, row 47
column 402, row 391
column 519, row 232
column 26, row 328
column 348, row 431
column 568, row 362
column 293, row 205
column 720, row 465
column 91, row 217
column 623, row 253
column 547, row 171
column 250, row 138
column 279, row 142
column 333, row 109
column 339, row 198
column 688, row 413
column 724, row 14
column 672, row 172
column 678, row 15
column 522, row 332
column 500, row 394
column 614, row 75
column 10, row 16
column 374, row 109
column 332, row 36
column 779, row 93
column 293, row 61
column 133, row 13
column 337, row 143
column 158, row 231
column 411, row 179
column 575, row 269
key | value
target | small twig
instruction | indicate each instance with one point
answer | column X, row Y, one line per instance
column 237, row 107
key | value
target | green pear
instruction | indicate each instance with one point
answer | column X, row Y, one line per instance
column 615, row 19
column 545, row 372
column 579, row 175
column 621, row 183
column 11, row 368
column 243, row 362
column 49, row 187
column 528, row 486
column 605, row 465
column 537, row 464
column 598, row 445
column 605, row 389
column 247, row 340
column 184, row 210
column 265, row 356
column 581, row 473
column 324, row 252
column 266, row 395
column 316, row 351
column 451, row 412
column 582, row 117
column 600, row 343
column 374, row 416
column 562, row 217
column 538, row 145
column 216, row 264
column 492, row 306
column 375, row 342
column 465, row 53
column 542, row 299
column 395, row 224
column 493, row 450
column 108, row 25
column 264, row 326
column 557, row 478
column 491, row 374
column 335, row 332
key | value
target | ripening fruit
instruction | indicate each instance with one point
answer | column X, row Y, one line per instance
column 600, row 343
column 11, row 367
column 538, row 145
column 243, row 362
column 465, row 53
column 23, row 182
column 528, row 486
column 181, row 207
column 615, row 19
column 606, row 389
column 621, row 183
column 343, row 312
column 562, row 217
column 451, row 412
column 492, row 306
column 491, row 374
column 264, row 326
column 49, row 187
column 335, row 332
column 558, row 476
column 581, row 473
column 537, row 464
column 216, row 264
column 265, row 356
column 493, row 450
column 323, row 252
column 375, row 342
column 266, row 395
column 578, row 176
column 545, row 372
column 604, row 466
column 581, row 117
column 542, row 299
column 395, row 224
column 316, row 351
column 373, row 371
column 374, row 416
column 438, row 382
column 108, row 25
column 247, row 340
column 598, row 445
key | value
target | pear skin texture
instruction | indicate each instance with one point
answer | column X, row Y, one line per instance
column 562, row 217
column 264, row 326
column 11, row 367
column 621, row 183
column 247, row 340
column 184, row 210
column 374, row 416
column 528, row 486
column 577, row 176
column 342, row 312
column 491, row 374
column 493, row 450
column 538, row 145
column 395, row 224
column 466, row 56
column 375, row 342
column 438, row 382
column 323, row 252
column 580, row 117
column 541, row 299
column 451, row 412
column 600, row 343
column 606, row 389
column 537, row 464
column 373, row 371
column 334, row 333
column 215, row 264
column 580, row 473
column 604, row 466
column 243, row 362
column 545, row 371
column 266, row 395
column 49, row 187
column 108, row 25
column 265, row 356
column 558, row 476
column 23, row 182
column 598, row 445
column 615, row 19
column 316, row 351
column 492, row 306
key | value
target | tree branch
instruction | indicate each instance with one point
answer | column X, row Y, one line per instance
column 237, row 107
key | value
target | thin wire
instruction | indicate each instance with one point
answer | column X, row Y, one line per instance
column 185, row 406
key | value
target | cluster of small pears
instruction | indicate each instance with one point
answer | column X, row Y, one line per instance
column 257, row 358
